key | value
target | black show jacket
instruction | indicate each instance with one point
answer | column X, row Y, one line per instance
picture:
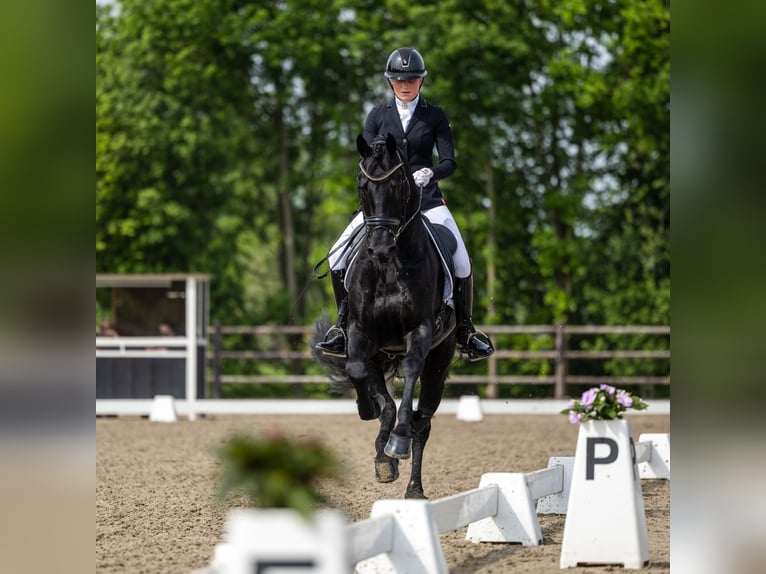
column 428, row 128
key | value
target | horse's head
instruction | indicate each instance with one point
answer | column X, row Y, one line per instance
column 385, row 189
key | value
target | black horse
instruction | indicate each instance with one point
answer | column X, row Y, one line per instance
column 397, row 321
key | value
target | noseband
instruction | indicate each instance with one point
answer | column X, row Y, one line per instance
column 393, row 225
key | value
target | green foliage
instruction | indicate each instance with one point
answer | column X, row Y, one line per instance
column 225, row 144
column 275, row 470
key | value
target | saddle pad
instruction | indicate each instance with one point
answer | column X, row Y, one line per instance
column 446, row 245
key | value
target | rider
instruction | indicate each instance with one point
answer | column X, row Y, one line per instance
column 418, row 126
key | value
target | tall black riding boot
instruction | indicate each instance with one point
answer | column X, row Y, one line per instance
column 335, row 339
column 467, row 335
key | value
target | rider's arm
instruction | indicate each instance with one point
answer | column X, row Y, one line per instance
column 444, row 147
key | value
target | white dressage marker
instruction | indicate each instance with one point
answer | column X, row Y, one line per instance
column 469, row 409
column 163, row 409
column 606, row 522
column 269, row 540
column 653, row 455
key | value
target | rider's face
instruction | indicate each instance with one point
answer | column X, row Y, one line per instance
column 407, row 90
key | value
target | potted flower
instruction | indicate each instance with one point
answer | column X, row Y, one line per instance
column 600, row 410
column 605, row 522
column 602, row 403
column 278, row 477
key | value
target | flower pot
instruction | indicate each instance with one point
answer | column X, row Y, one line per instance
column 258, row 539
column 605, row 521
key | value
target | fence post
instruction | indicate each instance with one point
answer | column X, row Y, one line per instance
column 561, row 363
column 217, row 345
column 492, row 377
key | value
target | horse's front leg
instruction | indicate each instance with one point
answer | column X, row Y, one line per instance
column 361, row 372
column 418, row 343
column 386, row 468
column 421, row 430
column 432, row 382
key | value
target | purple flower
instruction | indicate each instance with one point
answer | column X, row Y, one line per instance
column 574, row 417
column 588, row 397
column 624, row 399
column 604, row 402
column 609, row 389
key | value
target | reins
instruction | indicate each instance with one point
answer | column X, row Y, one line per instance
column 345, row 246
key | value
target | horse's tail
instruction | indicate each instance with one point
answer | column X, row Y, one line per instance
column 340, row 384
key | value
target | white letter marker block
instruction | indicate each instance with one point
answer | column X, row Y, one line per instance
column 281, row 540
column 605, row 521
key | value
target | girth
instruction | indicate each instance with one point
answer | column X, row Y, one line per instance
column 444, row 324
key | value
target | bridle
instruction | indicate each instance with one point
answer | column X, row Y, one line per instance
column 395, row 226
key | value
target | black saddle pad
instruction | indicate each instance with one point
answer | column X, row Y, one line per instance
column 445, row 242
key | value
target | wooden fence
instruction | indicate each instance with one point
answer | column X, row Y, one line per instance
column 560, row 355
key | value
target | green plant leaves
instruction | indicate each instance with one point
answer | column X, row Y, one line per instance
column 276, row 470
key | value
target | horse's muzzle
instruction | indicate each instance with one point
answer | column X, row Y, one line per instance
column 381, row 243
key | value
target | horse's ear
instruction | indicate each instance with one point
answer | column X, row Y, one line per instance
column 361, row 146
column 391, row 144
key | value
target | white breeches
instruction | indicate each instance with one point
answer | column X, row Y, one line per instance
column 439, row 215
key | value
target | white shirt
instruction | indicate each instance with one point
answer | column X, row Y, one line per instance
column 406, row 109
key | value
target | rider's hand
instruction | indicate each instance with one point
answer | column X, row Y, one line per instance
column 422, row 176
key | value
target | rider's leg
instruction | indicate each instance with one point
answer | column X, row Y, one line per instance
column 469, row 339
column 467, row 336
column 335, row 339
column 339, row 254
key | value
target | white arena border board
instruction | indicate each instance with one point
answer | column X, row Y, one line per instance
column 143, row 407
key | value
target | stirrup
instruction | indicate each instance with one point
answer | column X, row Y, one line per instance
column 334, row 343
column 479, row 350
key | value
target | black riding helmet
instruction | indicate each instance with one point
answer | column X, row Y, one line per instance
column 405, row 64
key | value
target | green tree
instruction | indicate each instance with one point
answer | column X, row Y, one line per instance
column 225, row 144
column 175, row 179
column 632, row 285
column 221, row 126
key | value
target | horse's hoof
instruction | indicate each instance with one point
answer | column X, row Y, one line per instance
column 386, row 470
column 415, row 494
column 398, row 447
